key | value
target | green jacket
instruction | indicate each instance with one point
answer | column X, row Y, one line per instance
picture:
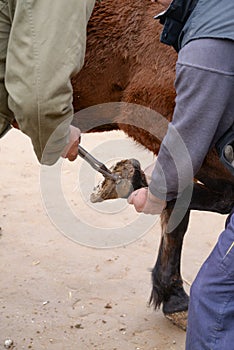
column 42, row 45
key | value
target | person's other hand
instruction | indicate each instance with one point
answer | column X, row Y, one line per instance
column 145, row 202
column 71, row 149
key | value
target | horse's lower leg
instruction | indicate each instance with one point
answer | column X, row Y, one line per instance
column 167, row 282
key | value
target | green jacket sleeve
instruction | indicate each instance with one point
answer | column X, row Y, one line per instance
column 46, row 48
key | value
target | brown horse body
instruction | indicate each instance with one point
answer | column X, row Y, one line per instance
column 125, row 62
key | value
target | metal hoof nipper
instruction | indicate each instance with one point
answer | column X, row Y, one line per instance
column 95, row 164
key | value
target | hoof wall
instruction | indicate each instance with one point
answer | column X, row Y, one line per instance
column 179, row 319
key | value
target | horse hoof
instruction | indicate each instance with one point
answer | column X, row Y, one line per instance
column 130, row 177
column 179, row 319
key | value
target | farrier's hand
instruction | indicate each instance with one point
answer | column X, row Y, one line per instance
column 71, row 149
column 144, row 201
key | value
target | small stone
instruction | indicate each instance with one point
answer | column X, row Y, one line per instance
column 8, row 343
column 123, row 329
column 78, row 326
column 36, row 262
column 108, row 306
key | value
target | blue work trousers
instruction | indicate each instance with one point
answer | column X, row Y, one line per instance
column 211, row 308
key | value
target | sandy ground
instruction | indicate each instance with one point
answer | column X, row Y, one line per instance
column 58, row 294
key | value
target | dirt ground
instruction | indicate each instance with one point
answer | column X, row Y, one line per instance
column 57, row 294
